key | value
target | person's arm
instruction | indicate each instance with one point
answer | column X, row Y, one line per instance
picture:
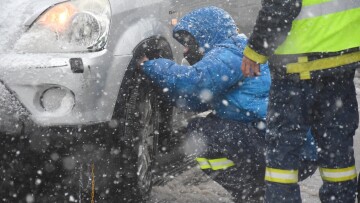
column 273, row 23
column 190, row 102
column 213, row 75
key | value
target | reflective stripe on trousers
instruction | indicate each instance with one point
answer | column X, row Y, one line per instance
column 338, row 174
column 327, row 174
column 281, row 176
column 214, row 164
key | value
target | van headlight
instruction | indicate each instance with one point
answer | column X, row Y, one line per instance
column 72, row 26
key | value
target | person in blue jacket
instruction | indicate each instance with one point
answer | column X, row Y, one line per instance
column 230, row 142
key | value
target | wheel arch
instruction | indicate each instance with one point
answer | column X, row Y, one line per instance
column 136, row 33
column 130, row 44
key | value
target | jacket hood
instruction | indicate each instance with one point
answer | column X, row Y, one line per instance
column 209, row 26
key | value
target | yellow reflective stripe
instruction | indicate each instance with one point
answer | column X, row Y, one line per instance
column 321, row 64
column 251, row 54
column 203, row 163
column 325, row 8
column 338, row 174
column 303, row 59
column 281, row 176
column 222, row 163
column 313, row 2
column 304, row 75
column 214, row 164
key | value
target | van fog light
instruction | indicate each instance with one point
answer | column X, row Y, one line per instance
column 57, row 100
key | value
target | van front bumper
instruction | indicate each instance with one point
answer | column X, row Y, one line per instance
column 52, row 93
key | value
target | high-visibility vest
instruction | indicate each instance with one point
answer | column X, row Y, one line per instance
column 324, row 26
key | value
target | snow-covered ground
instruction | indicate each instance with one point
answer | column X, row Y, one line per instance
column 193, row 186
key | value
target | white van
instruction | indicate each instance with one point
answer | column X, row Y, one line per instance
column 78, row 120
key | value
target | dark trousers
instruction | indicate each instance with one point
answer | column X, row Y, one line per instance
column 328, row 106
column 242, row 143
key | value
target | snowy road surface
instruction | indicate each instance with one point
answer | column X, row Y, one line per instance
column 193, row 186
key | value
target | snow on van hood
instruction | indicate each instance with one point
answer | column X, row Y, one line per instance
column 16, row 17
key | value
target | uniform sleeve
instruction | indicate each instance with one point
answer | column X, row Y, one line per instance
column 273, row 23
column 211, row 76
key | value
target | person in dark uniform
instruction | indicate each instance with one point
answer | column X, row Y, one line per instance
column 313, row 50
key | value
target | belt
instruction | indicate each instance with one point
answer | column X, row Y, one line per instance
column 304, row 66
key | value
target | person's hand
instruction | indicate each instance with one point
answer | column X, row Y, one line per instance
column 141, row 60
column 249, row 67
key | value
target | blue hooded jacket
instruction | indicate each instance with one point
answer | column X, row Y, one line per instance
column 216, row 81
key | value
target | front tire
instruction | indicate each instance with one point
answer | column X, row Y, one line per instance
column 139, row 143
